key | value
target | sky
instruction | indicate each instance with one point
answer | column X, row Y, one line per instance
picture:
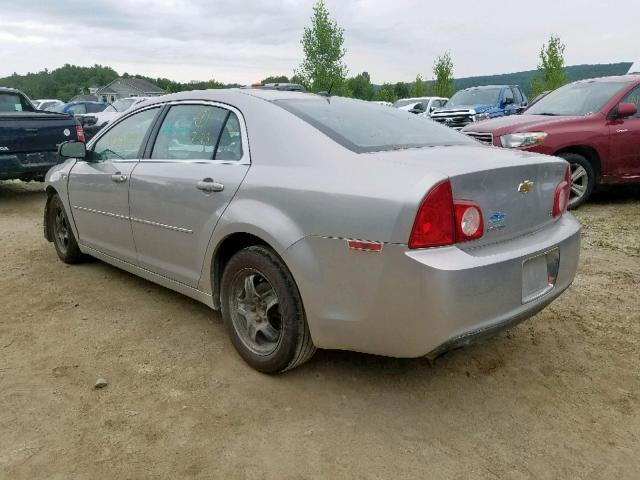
column 245, row 41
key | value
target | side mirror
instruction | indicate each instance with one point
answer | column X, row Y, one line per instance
column 626, row 110
column 72, row 149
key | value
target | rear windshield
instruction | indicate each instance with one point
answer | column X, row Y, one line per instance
column 368, row 127
column 581, row 98
column 13, row 102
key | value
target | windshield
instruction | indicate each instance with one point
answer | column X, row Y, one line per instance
column 121, row 105
column 475, row 96
column 581, row 98
column 14, row 102
column 408, row 101
column 60, row 108
column 367, row 127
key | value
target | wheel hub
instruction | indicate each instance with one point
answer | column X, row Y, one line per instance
column 255, row 312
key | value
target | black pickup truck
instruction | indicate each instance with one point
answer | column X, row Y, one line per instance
column 29, row 138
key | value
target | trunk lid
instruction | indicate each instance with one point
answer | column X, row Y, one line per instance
column 489, row 176
column 25, row 132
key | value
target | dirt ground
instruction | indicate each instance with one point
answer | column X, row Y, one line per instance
column 556, row 397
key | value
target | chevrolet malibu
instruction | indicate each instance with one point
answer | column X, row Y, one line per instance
column 318, row 222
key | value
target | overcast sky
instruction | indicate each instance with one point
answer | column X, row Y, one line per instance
column 244, row 41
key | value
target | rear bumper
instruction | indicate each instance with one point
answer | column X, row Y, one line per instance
column 27, row 165
column 411, row 303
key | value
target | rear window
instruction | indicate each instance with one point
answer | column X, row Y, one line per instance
column 13, row 102
column 367, row 127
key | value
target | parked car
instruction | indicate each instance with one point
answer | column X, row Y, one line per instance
column 318, row 222
column 420, row 105
column 48, row 104
column 29, row 138
column 481, row 103
column 116, row 109
column 593, row 124
column 81, row 107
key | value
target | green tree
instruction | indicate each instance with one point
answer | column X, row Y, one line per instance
column 276, row 79
column 401, row 90
column 418, row 87
column 551, row 72
column 323, row 44
column 385, row 93
column 443, row 85
column 360, row 86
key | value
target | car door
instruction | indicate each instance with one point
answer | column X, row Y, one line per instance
column 181, row 188
column 624, row 135
column 99, row 186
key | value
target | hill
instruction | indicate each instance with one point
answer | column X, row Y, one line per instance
column 575, row 72
column 70, row 80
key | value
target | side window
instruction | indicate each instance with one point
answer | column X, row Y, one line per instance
column 189, row 132
column 78, row 108
column 518, row 96
column 94, row 108
column 508, row 94
column 230, row 144
column 124, row 140
column 633, row 97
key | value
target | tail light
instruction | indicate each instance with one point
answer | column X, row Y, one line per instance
column 469, row 221
column 80, row 133
column 441, row 220
column 563, row 191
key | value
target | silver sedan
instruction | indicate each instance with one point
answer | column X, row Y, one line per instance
column 313, row 221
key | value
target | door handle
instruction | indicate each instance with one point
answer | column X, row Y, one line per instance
column 118, row 177
column 208, row 185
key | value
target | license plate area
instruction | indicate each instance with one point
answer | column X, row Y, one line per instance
column 539, row 274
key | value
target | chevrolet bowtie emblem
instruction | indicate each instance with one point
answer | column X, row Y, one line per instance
column 525, row 187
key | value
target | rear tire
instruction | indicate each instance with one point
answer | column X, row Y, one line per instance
column 61, row 232
column 263, row 312
column 583, row 179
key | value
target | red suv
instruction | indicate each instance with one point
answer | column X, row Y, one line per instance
column 593, row 124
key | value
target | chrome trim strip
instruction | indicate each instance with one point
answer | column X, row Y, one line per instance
column 161, row 225
column 100, row 212
column 139, row 220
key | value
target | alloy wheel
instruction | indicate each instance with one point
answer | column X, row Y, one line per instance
column 61, row 230
column 579, row 183
column 255, row 312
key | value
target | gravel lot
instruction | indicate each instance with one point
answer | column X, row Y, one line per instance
column 556, row 397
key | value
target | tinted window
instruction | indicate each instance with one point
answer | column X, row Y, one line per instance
column 367, row 127
column 124, row 140
column 189, row 132
column 78, row 108
column 230, row 144
column 95, row 107
column 13, row 102
column 508, row 94
column 518, row 95
column 581, row 98
column 633, row 97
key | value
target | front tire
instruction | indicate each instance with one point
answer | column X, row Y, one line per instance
column 263, row 312
column 583, row 179
column 62, row 233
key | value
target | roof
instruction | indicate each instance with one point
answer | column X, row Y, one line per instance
column 130, row 86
